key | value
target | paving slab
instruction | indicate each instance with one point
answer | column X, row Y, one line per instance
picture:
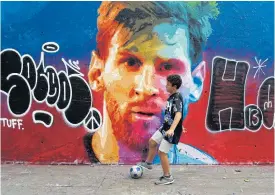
column 115, row 179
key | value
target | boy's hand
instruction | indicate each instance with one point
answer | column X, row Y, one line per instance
column 184, row 130
column 169, row 133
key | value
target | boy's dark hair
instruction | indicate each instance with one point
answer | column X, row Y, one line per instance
column 175, row 79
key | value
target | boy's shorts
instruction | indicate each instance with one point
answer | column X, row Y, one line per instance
column 164, row 144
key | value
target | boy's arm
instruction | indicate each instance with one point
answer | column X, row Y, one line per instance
column 176, row 121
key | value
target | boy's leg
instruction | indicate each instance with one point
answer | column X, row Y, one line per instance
column 153, row 143
column 163, row 150
column 152, row 151
column 164, row 163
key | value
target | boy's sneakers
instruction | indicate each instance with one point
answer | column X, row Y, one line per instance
column 145, row 165
column 164, row 180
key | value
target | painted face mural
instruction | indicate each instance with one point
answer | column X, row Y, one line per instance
column 92, row 87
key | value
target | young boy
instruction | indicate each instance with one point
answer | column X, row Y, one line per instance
column 170, row 131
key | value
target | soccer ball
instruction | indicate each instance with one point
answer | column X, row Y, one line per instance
column 136, row 172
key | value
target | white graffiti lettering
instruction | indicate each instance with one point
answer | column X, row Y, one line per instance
column 12, row 123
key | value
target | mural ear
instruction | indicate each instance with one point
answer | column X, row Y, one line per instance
column 95, row 73
column 199, row 71
column 198, row 76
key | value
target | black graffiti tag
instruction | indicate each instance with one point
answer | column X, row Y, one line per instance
column 266, row 101
column 253, row 117
column 42, row 117
column 22, row 80
column 14, row 84
column 226, row 106
column 226, row 101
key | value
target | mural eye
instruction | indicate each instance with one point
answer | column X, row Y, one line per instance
column 133, row 62
column 166, row 66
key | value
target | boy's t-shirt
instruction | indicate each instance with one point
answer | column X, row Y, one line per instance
column 174, row 105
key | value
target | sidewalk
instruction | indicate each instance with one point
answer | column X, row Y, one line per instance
column 114, row 180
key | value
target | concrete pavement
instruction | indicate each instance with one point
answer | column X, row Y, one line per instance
column 114, row 179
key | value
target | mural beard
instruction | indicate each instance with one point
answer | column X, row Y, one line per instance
column 134, row 134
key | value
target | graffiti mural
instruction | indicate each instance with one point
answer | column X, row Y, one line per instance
column 90, row 87
column 66, row 91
